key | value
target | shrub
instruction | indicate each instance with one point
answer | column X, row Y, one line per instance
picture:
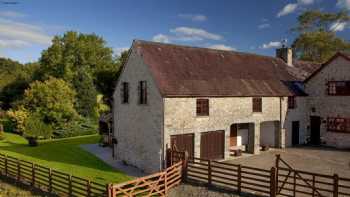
column 35, row 128
column 16, row 120
column 2, row 134
column 84, row 126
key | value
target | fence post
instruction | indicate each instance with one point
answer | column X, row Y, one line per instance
column 239, row 179
column 33, row 174
column 166, row 182
column 110, row 190
column 184, row 166
column 278, row 157
column 18, row 170
column 50, row 180
column 70, row 185
column 209, row 172
column 273, row 183
column 6, row 165
column 335, row 185
column 88, row 188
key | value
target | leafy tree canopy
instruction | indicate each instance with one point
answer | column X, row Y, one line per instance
column 317, row 40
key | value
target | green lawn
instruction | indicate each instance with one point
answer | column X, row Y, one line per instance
column 64, row 155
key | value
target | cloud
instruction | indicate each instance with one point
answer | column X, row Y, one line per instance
column 193, row 34
column 306, row 2
column 26, row 33
column 119, row 50
column 161, row 38
column 194, row 17
column 222, row 47
column 338, row 26
column 264, row 26
column 11, row 14
column 288, row 9
column 344, row 4
column 13, row 44
column 272, row 44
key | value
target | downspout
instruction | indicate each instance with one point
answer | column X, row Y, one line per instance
column 162, row 164
column 280, row 129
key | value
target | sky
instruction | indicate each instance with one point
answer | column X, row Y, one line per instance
column 255, row 26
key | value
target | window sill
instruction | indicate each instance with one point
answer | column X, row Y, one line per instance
column 343, row 132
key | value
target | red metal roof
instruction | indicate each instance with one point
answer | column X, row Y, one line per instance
column 190, row 71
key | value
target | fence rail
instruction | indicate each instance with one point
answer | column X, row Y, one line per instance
column 156, row 184
column 48, row 179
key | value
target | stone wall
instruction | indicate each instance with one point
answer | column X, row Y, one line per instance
column 138, row 127
column 180, row 117
column 330, row 106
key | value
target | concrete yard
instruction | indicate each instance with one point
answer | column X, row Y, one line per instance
column 314, row 159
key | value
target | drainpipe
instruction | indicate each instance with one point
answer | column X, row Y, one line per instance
column 162, row 164
column 280, row 129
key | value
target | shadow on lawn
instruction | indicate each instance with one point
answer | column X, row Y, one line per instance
column 61, row 152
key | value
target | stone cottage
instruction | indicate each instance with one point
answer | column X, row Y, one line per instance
column 210, row 102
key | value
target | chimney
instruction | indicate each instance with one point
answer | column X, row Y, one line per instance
column 286, row 54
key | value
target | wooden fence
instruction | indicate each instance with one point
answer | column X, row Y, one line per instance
column 156, row 184
column 47, row 179
column 262, row 182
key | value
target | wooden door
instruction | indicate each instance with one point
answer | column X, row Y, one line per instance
column 212, row 145
column 295, row 133
column 315, row 123
column 233, row 135
column 183, row 142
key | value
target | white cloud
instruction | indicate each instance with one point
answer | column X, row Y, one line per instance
column 17, row 31
column 194, row 17
column 288, row 9
column 344, row 4
column 11, row 14
column 222, row 47
column 338, row 26
column 272, row 44
column 13, row 44
column 264, row 26
column 306, row 2
column 193, row 34
column 161, row 38
column 119, row 50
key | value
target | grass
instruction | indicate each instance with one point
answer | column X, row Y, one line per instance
column 64, row 155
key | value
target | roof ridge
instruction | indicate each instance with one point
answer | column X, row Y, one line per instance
column 211, row 49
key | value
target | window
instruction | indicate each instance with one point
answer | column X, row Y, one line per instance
column 142, row 92
column 338, row 124
column 125, row 92
column 339, row 88
column 292, row 103
column 257, row 105
column 202, row 107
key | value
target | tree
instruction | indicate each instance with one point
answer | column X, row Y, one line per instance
column 317, row 40
column 36, row 128
column 86, row 103
column 53, row 99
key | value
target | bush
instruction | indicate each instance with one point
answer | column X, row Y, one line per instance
column 35, row 128
column 16, row 120
column 84, row 126
column 2, row 134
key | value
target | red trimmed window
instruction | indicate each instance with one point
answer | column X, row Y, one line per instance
column 292, row 103
column 202, row 107
column 338, row 124
column 257, row 104
column 339, row 88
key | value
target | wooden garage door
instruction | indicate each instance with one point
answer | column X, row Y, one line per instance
column 184, row 142
column 213, row 145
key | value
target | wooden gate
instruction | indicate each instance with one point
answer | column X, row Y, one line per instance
column 292, row 182
column 212, row 145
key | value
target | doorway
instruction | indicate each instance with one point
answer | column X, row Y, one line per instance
column 315, row 123
column 233, row 135
column 295, row 132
